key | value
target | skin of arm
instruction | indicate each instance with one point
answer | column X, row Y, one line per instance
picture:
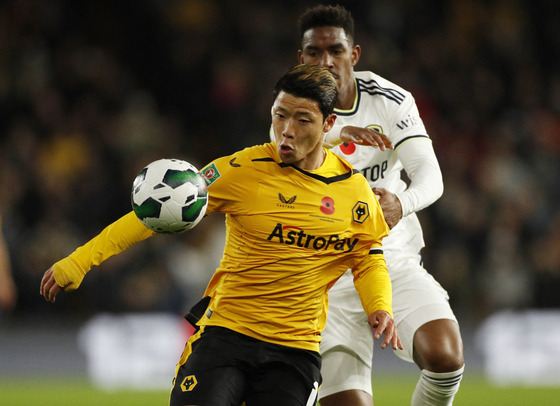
column 358, row 135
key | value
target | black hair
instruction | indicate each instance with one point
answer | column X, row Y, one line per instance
column 311, row 82
column 326, row 16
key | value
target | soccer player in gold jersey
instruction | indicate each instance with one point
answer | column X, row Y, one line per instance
column 297, row 217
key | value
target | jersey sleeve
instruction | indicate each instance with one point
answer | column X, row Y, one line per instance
column 372, row 282
column 115, row 238
column 332, row 138
column 422, row 168
column 230, row 180
column 371, row 277
column 405, row 122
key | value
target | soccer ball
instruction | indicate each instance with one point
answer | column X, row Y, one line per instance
column 169, row 196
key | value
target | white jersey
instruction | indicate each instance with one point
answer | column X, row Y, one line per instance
column 391, row 110
column 417, row 297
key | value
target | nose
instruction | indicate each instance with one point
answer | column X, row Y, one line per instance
column 288, row 129
column 326, row 60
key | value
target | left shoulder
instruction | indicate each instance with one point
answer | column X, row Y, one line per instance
column 373, row 83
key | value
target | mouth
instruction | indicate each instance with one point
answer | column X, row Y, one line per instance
column 285, row 148
column 334, row 74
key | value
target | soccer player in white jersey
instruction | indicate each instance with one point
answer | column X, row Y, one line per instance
column 426, row 324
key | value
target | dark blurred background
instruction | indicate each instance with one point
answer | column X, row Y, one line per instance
column 91, row 91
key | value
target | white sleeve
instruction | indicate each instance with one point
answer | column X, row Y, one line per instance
column 422, row 168
column 332, row 138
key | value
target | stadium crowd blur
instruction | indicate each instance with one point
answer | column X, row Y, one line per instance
column 91, row 91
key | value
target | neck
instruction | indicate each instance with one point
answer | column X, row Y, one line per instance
column 313, row 162
column 346, row 96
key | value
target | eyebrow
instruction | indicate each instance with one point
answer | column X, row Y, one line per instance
column 338, row 45
column 296, row 113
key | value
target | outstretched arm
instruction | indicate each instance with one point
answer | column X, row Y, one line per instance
column 68, row 273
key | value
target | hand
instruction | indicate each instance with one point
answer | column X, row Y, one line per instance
column 382, row 323
column 49, row 288
column 365, row 136
column 391, row 206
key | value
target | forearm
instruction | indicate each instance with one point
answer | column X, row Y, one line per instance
column 422, row 168
column 115, row 238
column 374, row 285
column 332, row 138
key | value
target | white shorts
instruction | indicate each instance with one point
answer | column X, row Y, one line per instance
column 417, row 299
column 353, row 373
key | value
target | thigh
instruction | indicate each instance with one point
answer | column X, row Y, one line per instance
column 438, row 346
column 417, row 299
column 343, row 371
column 212, row 374
column 279, row 386
column 413, row 321
column 286, row 376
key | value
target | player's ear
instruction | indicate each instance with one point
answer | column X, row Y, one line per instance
column 329, row 123
column 356, row 52
column 300, row 56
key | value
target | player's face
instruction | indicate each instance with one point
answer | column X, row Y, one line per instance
column 299, row 130
column 331, row 48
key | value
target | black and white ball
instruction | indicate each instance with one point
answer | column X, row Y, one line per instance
column 169, row 196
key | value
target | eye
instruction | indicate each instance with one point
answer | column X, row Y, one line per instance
column 313, row 54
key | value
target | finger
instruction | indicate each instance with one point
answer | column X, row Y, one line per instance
column 388, row 338
column 369, row 141
column 396, row 340
column 45, row 283
column 50, row 288
column 47, row 287
column 380, row 143
column 53, row 292
column 378, row 191
column 392, row 337
column 382, row 140
column 385, row 141
column 373, row 141
column 380, row 330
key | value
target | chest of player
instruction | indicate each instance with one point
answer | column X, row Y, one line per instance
column 373, row 163
column 301, row 212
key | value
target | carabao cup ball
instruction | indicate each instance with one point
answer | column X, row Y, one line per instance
column 169, row 196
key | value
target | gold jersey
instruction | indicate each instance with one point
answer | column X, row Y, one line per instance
column 290, row 234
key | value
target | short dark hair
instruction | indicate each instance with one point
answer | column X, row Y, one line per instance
column 311, row 82
column 326, row 16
